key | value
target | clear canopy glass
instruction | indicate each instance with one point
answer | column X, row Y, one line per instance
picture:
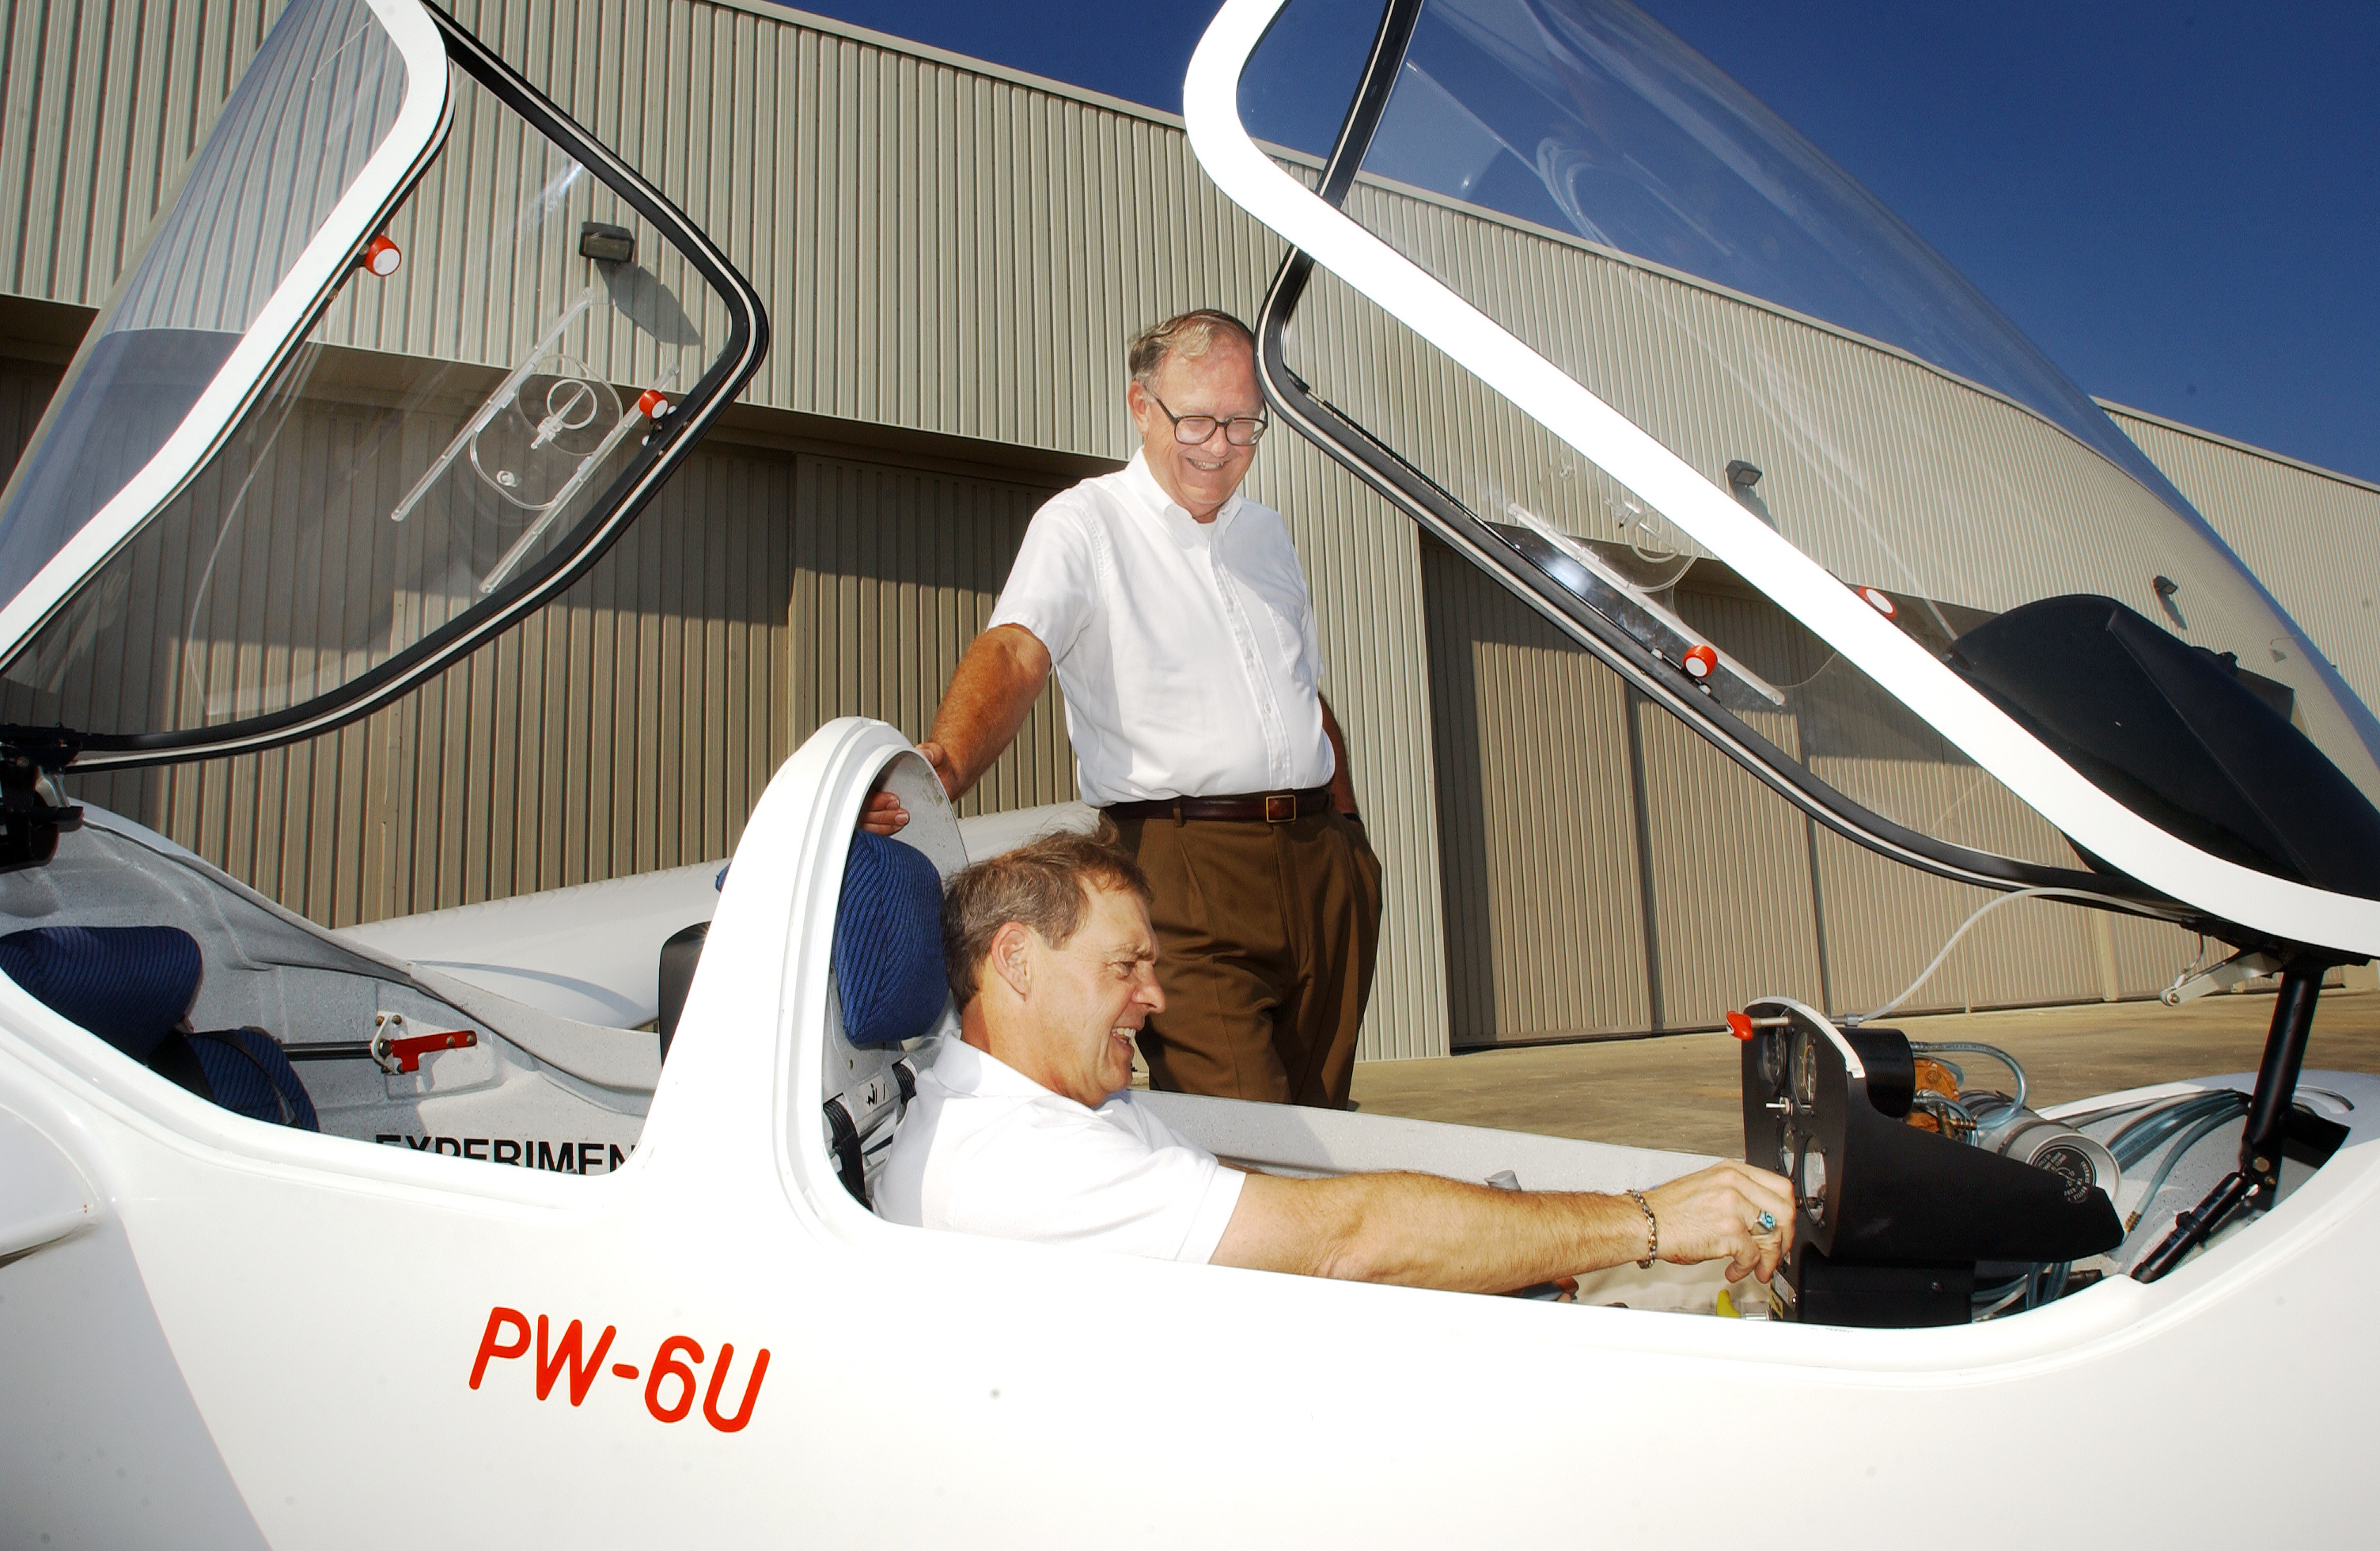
column 1580, row 175
column 453, row 422
column 320, row 98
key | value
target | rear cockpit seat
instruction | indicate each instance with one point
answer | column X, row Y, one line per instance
column 889, row 999
column 134, row 987
column 888, row 989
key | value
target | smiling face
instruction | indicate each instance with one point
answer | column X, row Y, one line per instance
column 1222, row 382
column 1083, row 1003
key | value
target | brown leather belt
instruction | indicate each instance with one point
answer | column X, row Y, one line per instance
column 1272, row 808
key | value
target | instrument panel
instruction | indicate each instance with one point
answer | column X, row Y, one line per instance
column 1891, row 1219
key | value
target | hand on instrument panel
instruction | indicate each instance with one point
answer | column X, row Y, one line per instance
column 1715, row 1214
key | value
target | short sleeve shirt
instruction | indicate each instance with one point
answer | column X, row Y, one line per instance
column 1186, row 649
column 986, row 1149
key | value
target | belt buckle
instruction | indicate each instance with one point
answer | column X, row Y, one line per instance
column 1280, row 807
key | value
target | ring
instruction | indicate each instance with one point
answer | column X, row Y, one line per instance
column 1767, row 1222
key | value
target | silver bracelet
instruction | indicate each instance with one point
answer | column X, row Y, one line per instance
column 1652, row 1231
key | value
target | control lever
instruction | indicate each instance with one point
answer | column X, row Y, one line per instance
column 2256, row 1183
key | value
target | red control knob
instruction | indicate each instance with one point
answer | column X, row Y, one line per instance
column 1878, row 601
column 382, row 257
column 1700, row 660
column 650, row 404
column 1739, row 1025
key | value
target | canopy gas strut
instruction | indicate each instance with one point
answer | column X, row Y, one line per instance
column 2255, row 1185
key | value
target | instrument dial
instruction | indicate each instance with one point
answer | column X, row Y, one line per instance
column 1769, row 1049
column 1805, row 1068
column 1810, row 1182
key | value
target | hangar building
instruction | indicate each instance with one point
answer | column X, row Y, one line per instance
column 953, row 254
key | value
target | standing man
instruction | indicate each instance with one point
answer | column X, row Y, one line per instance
column 1176, row 615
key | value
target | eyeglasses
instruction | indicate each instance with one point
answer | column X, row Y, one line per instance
column 1196, row 429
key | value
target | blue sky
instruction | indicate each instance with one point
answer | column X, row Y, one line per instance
column 2179, row 203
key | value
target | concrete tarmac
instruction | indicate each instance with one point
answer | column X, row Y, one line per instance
column 1684, row 1091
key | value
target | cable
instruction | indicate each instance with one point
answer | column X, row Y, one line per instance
column 2097, row 1117
column 2206, row 1128
column 2142, row 1136
column 1981, row 911
column 2022, row 1283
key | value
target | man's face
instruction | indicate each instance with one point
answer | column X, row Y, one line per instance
column 1199, row 476
column 1090, row 998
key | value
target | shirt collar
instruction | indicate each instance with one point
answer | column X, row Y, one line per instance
column 963, row 1069
column 1177, row 518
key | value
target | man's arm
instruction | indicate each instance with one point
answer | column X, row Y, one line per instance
column 989, row 696
column 1421, row 1231
column 1343, row 778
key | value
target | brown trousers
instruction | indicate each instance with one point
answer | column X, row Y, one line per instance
column 1266, row 935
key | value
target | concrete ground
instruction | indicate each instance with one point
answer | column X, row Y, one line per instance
column 1682, row 1091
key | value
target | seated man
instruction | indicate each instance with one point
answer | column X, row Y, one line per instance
column 1023, row 1127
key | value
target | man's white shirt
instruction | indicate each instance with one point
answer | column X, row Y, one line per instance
column 986, row 1149
column 1186, row 649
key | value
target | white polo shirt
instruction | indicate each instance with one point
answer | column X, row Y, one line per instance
column 986, row 1149
column 1186, row 649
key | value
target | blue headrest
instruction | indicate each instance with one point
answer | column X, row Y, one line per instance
column 888, row 943
column 129, row 984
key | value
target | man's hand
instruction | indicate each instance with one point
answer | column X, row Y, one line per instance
column 885, row 816
column 995, row 685
column 1715, row 1212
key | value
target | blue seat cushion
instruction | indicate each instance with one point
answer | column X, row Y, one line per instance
column 129, row 984
column 249, row 1074
column 888, row 943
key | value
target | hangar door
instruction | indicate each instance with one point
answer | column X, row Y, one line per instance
column 1607, row 872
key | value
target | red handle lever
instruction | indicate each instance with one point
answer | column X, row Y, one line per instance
column 409, row 1051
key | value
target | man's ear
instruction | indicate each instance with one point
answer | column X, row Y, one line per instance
column 1138, row 404
column 1011, row 957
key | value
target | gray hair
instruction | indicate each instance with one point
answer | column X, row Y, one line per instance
column 1190, row 335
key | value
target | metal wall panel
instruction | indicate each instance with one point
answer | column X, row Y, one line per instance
column 951, row 249
column 104, row 104
column 25, row 390
column 628, row 726
column 1563, row 921
column 1731, row 899
column 318, row 103
column 2308, row 534
column 897, row 570
column 1538, row 817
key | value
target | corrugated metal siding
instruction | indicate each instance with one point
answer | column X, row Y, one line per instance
column 1731, row 899
column 942, row 248
column 1538, row 818
column 896, row 574
column 25, row 390
column 2308, row 535
column 103, row 105
column 1610, row 872
column 322, row 96
column 628, row 726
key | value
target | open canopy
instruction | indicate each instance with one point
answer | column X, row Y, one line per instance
column 1666, row 338
column 404, row 355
